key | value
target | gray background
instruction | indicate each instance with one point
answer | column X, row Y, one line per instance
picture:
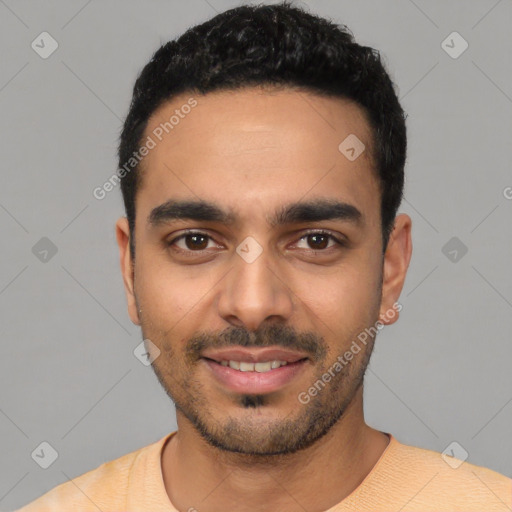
column 69, row 376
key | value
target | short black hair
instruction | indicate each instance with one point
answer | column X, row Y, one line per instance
column 278, row 45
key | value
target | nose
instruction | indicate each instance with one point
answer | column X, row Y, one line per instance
column 254, row 292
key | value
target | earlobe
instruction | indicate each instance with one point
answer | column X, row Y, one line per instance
column 127, row 268
column 396, row 262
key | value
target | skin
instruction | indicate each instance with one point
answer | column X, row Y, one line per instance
column 253, row 151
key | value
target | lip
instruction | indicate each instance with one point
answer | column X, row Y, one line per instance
column 254, row 355
column 255, row 382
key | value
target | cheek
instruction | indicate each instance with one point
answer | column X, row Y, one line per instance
column 168, row 293
column 344, row 301
column 162, row 295
column 349, row 288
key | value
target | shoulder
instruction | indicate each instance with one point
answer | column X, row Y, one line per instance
column 444, row 481
column 103, row 487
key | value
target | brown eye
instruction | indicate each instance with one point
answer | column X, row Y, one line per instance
column 197, row 241
column 191, row 242
column 318, row 241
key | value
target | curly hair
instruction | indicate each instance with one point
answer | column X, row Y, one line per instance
column 277, row 45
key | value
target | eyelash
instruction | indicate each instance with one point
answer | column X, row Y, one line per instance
column 187, row 252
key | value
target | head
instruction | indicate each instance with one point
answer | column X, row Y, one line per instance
column 243, row 131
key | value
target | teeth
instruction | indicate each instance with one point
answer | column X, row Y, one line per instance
column 246, row 367
column 261, row 367
column 234, row 364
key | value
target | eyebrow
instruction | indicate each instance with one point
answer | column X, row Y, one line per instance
column 293, row 213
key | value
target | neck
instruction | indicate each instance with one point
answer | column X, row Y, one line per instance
column 202, row 477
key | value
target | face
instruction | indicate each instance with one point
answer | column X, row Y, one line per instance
column 242, row 268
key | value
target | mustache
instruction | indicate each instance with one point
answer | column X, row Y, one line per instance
column 283, row 336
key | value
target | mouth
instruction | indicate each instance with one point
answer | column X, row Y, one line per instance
column 254, row 377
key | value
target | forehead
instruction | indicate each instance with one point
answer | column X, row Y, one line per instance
column 254, row 147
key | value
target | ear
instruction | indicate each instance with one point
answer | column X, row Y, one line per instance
column 127, row 267
column 396, row 261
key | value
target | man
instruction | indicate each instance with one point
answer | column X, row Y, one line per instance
column 262, row 169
